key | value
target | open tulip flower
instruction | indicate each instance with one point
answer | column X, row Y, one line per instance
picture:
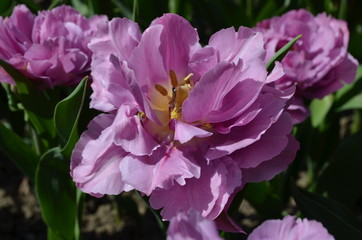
column 186, row 125
column 318, row 64
column 290, row 228
column 50, row 48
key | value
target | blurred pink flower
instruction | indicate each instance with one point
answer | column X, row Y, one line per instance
column 187, row 125
column 318, row 63
column 192, row 226
column 290, row 228
column 51, row 47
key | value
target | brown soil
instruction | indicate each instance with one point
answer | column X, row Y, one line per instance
column 20, row 216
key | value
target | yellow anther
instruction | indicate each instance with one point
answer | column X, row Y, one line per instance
column 175, row 113
column 161, row 90
column 173, row 78
column 187, row 79
column 141, row 115
column 206, row 126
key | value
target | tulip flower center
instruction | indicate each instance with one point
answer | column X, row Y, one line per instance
column 179, row 92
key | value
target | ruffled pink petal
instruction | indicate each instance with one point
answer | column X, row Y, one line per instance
column 156, row 54
column 95, row 161
column 124, row 89
column 221, row 94
column 130, row 134
column 120, row 81
column 225, row 223
column 146, row 60
column 158, row 170
column 245, row 44
column 202, row 61
column 207, row 194
column 5, row 77
column 290, row 228
column 22, row 19
column 268, row 169
column 118, row 31
column 185, row 132
column 298, row 110
column 271, row 144
column 343, row 73
column 191, row 226
column 276, row 73
column 178, row 39
column 125, row 36
column 244, row 135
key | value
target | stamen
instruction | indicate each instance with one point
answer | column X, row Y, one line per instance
column 173, row 78
column 174, row 114
column 173, row 98
column 187, row 79
column 141, row 115
column 161, row 90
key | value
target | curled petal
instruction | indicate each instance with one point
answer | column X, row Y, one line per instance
column 158, row 170
column 178, row 40
column 95, row 161
column 221, row 94
column 130, row 134
column 271, row 144
column 185, row 132
column 290, row 228
column 274, row 166
column 191, row 226
column 244, row 44
column 117, row 31
column 245, row 135
column 343, row 73
column 207, row 194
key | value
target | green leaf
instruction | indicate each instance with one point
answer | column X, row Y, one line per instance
column 37, row 105
column 53, row 236
column 5, row 6
column 353, row 103
column 347, row 165
column 319, row 109
column 279, row 55
column 81, row 7
column 266, row 197
column 57, row 194
column 267, row 10
column 31, row 5
column 66, row 116
column 13, row 102
column 125, row 11
column 55, row 3
column 339, row 221
column 17, row 151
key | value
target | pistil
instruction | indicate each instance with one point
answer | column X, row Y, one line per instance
column 178, row 94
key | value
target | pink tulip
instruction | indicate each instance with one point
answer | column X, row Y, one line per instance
column 318, row 63
column 51, row 48
column 186, row 125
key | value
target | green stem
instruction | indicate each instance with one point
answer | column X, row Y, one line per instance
column 342, row 14
column 36, row 142
column 135, row 10
column 310, row 174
